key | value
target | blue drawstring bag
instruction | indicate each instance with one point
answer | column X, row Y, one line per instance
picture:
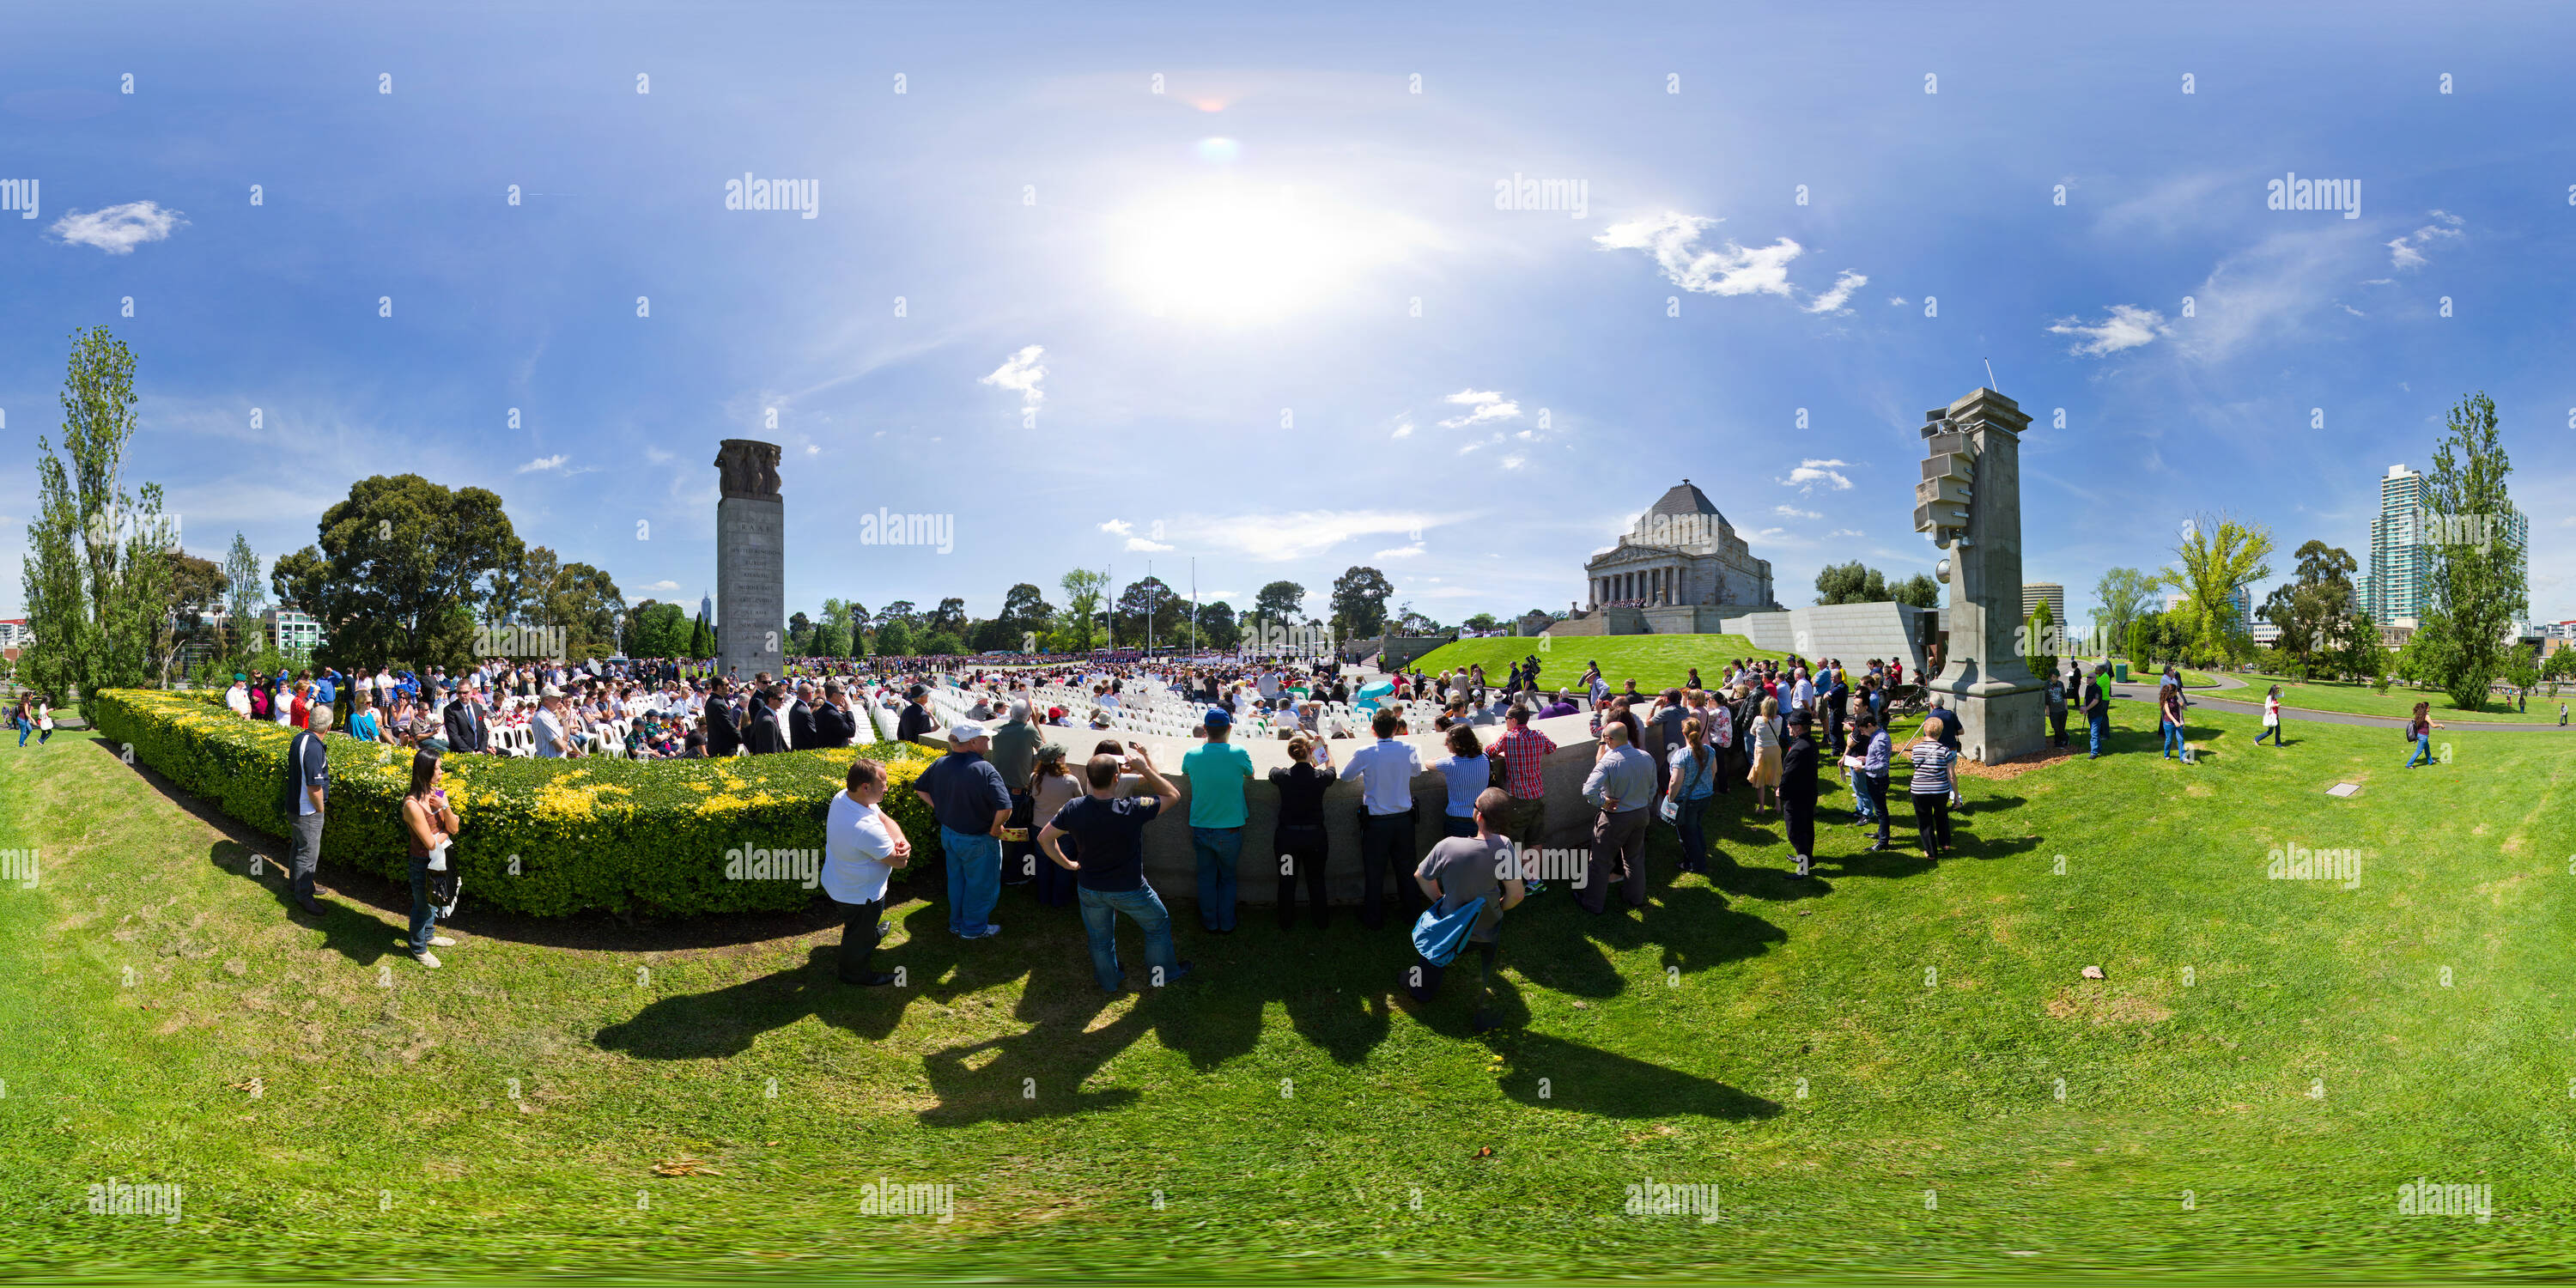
column 1439, row 938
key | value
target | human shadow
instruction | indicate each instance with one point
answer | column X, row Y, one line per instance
column 1553, row 1073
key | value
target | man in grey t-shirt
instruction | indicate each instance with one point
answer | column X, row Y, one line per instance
column 1458, row 871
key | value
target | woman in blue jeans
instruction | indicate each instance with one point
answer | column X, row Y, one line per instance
column 2421, row 729
column 18, row 717
column 1694, row 765
column 429, row 823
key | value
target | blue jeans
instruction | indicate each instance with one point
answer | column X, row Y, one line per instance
column 2423, row 750
column 2101, row 732
column 1862, row 810
column 2173, row 738
column 424, row 918
column 1217, row 849
column 1452, row 825
column 1100, row 923
column 24, row 728
column 1686, row 817
column 974, row 861
column 2272, row 732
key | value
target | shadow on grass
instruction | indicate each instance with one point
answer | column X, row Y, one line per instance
column 1552, row 1073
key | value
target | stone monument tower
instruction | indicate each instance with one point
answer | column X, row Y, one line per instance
column 751, row 561
column 1970, row 501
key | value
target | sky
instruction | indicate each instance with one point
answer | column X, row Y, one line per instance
column 1246, row 296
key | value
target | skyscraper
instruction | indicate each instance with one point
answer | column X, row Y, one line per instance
column 2032, row 592
column 2397, row 585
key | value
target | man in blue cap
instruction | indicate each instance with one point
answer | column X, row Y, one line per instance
column 1217, row 771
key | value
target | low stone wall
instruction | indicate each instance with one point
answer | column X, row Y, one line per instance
column 1172, row 867
column 1852, row 632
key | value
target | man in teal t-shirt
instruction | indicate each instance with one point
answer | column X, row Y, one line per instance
column 1217, row 771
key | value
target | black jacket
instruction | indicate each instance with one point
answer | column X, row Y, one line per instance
column 467, row 729
column 912, row 722
column 760, row 731
column 1798, row 771
column 723, row 738
column 834, row 727
column 801, row 733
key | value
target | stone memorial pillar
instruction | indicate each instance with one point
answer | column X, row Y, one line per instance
column 751, row 561
column 1970, row 501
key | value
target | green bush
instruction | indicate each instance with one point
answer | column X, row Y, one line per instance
column 645, row 837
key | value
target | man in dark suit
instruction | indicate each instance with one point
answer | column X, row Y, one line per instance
column 914, row 720
column 835, row 724
column 801, row 734
column 1798, row 790
column 724, row 729
column 469, row 727
column 763, row 728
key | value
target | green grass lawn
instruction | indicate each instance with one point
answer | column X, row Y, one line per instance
column 1654, row 661
column 1894, row 1068
column 2148, row 674
column 2398, row 703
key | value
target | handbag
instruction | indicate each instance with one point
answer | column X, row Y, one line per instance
column 1439, row 938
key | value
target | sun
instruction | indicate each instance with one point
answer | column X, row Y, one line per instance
column 1238, row 253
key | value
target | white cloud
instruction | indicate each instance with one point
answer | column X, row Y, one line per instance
column 657, row 456
column 1399, row 552
column 2351, row 310
column 1672, row 241
column 1514, row 461
column 1812, row 473
column 1896, row 301
column 1404, row 430
column 2127, row 327
column 2408, row 251
column 1793, row 512
column 1485, row 406
column 1845, row 532
column 661, row 587
column 1145, row 546
column 1832, row 300
column 1296, row 535
column 1021, row 373
column 1118, row 527
column 119, row 229
column 544, row 463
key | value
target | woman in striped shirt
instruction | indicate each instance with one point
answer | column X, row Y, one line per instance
column 1931, row 788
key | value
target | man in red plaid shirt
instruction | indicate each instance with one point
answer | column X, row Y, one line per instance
column 1521, row 749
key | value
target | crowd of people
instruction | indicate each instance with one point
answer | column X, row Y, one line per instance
column 31, row 714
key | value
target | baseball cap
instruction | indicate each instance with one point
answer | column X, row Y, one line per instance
column 965, row 731
column 1218, row 718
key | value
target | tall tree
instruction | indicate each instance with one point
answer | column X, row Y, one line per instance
column 591, row 607
column 401, row 569
column 95, row 580
column 2479, row 574
column 1217, row 626
column 1918, row 591
column 1083, row 590
column 246, row 595
column 1281, row 601
column 900, row 610
column 950, row 616
column 2122, row 596
column 1851, row 583
column 2215, row 555
column 196, row 585
column 1359, row 602
column 1149, row 603
column 2315, row 613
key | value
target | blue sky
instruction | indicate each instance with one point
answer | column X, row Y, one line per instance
column 1274, row 306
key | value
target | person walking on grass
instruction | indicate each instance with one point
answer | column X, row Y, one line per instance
column 1108, row 832
column 2169, row 717
column 862, row 846
column 1931, row 789
column 2271, row 718
column 1459, row 871
column 2420, row 731
column 429, row 824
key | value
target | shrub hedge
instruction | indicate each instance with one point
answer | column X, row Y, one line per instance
column 544, row 838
